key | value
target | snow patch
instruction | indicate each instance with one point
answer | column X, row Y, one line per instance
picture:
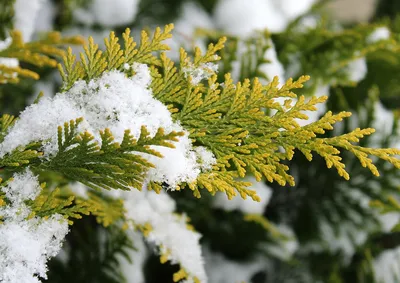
column 108, row 13
column 26, row 245
column 169, row 231
column 381, row 33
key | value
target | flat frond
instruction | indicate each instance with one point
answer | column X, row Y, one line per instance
column 50, row 202
column 109, row 165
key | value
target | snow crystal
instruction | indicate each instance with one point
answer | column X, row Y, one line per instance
column 108, row 13
column 39, row 122
column 357, row 70
column 142, row 75
column 381, row 33
column 185, row 166
column 203, row 72
column 26, row 245
column 169, row 231
column 387, row 266
column 25, row 16
column 116, row 102
column 246, row 205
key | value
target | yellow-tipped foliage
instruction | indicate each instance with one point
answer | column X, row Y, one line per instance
column 233, row 120
column 41, row 53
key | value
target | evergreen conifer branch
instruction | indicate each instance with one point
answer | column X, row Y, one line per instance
column 107, row 211
column 187, row 125
column 230, row 119
column 94, row 61
column 53, row 201
column 20, row 157
column 38, row 53
column 109, row 165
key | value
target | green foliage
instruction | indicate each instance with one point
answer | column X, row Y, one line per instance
column 230, row 119
column 94, row 62
column 20, row 157
column 110, row 165
column 52, row 201
column 6, row 121
column 37, row 53
column 242, row 124
column 108, row 211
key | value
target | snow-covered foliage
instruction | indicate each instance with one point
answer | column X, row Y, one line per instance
column 201, row 73
column 27, row 243
column 118, row 103
column 170, row 232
